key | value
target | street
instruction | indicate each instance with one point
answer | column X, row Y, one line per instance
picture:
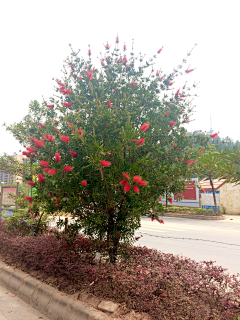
column 13, row 308
column 216, row 240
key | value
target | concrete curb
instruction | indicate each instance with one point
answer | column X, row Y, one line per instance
column 48, row 300
column 187, row 216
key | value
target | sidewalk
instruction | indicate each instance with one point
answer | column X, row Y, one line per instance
column 13, row 308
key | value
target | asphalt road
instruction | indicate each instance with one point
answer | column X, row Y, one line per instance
column 216, row 240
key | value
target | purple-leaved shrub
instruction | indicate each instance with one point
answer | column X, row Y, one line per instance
column 163, row 285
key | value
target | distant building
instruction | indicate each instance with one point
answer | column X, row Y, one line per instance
column 227, row 195
column 8, row 178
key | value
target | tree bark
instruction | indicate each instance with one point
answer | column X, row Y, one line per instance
column 111, row 241
column 214, row 196
column 38, row 225
column 166, row 199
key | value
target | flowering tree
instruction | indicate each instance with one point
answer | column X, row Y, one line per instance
column 109, row 142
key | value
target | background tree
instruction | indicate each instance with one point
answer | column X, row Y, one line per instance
column 107, row 142
column 208, row 166
column 229, row 168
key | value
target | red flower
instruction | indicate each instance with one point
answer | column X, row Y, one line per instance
column 214, row 135
column 28, row 199
column 89, row 52
column 136, row 189
column 58, row 200
column 59, row 83
column 90, row 75
column 80, row 132
column 118, row 234
column 102, row 63
column 65, row 91
column 127, row 187
column 46, row 170
column 125, row 61
column 126, row 175
column 50, row 138
column 106, row 59
column 107, row 46
column 176, row 159
column 84, row 182
column 170, row 83
column 31, row 183
column 50, row 106
column 64, row 138
column 152, row 218
column 26, row 153
column 144, row 127
column 67, row 104
column 119, row 60
column 157, row 73
column 170, row 200
column 124, row 47
column 69, row 168
column 80, row 78
column 105, row 163
column 136, row 178
column 56, row 130
column 57, row 157
column 159, row 51
column 160, row 221
column 177, row 93
column 44, row 163
column 117, row 39
column 142, row 183
column 40, row 177
column 42, row 125
column 30, row 149
column 166, row 114
column 140, row 142
column 137, row 238
column 51, row 171
column 201, row 150
column 189, row 70
column 109, row 104
column 203, row 191
column 186, row 121
column 123, row 182
column 172, row 123
column 73, row 153
column 132, row 83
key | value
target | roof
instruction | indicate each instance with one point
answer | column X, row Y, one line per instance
column 217, row 183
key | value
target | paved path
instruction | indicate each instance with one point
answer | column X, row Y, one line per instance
column 216, row 240
column 13, row 308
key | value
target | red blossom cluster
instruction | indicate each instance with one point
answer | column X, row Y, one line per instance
column 136, row 179
column 63, row 89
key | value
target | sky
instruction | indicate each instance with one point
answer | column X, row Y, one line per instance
column 35, row 38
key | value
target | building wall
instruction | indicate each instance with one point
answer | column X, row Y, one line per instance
column 230, row 198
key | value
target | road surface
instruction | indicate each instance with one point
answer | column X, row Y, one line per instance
column 216, row 240
column 13, row 308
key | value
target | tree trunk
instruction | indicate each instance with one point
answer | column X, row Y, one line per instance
column 112, row 242
column 166, row 199
column 214, row 196
column 38, row 225
column 113, row 252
